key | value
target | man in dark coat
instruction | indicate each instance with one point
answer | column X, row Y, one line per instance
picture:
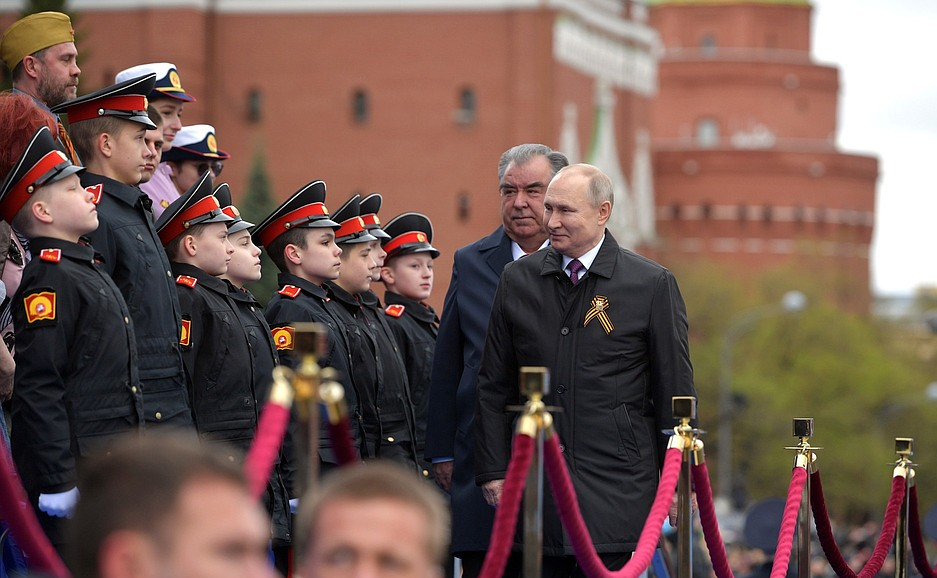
column 524, row 172
column 611, row 327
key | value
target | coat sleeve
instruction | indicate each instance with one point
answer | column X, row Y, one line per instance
column 497, row 389
column 448, row 364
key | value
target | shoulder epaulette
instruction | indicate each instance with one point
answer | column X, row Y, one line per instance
column 291, row 291
column 186, row 280
column 95, row 190
column 395, row 310
column 51, row 255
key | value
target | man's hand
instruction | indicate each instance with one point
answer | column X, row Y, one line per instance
column 443, row 473
column 492, row 491
column 60, row 505
column 674, row 506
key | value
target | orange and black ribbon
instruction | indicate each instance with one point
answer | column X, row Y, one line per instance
column 599, row 307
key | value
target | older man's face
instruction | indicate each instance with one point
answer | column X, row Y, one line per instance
column 58, row 74
column 522, row 189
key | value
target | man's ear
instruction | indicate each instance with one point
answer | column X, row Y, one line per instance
column 128, row 554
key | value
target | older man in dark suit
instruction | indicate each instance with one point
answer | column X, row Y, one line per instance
column 524, row 172
column 611, row 326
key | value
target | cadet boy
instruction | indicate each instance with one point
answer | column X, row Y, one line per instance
column 377, row 369
column 109, row 131
column 168, row 97
column 76, row 374
column 408, row 276
column 300, row 238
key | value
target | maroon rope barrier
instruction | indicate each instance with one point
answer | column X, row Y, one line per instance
column 20, row 517
column 502, row 533
column 265, row 448
column 918, row 551
column 828, row 542
column 571, row 516
column 782, row 556
column 707, row 516
column 340, row 435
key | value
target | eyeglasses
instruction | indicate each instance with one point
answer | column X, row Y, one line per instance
column 215, row 166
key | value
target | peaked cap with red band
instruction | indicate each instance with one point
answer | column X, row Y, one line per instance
column 305, row 209
column 223, row 194
column 409, row 233
column 42, row 163
column 370, row 207
column 126, row 100
column 197, row 206
column 353, row 229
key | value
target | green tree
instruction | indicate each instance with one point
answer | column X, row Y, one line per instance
column 256, row 204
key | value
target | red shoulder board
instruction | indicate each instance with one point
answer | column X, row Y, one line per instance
column 96, row 191
column 51, row 255
column 186, row 280
column 291, row 291
column 394, row 310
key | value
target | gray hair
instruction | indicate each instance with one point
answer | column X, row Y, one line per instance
column 523, row 153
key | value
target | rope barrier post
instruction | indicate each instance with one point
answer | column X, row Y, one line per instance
column 904, row 447
column 803, row 429
column 309, row 343
column 534, row 384
column 684, row 410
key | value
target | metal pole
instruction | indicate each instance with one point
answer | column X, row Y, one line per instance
column 904, row 447
column 535, row 384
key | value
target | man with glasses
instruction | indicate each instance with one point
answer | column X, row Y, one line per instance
column 194, row 151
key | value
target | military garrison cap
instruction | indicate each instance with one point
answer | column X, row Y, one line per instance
column 223, row 194
column 196, row 142
column 370, row 206
column 168, row 84
column 352, row 228
column 305, row 209
column 197, row 206
column 42, row 163
column 409, row 233
column 126, row 100
column 33, row 33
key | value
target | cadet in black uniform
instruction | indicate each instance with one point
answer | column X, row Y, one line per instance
column 76, row 374
column 244, row 268
column 113, row 149
column 300, row 238
column 377, row 367
column 408, row 276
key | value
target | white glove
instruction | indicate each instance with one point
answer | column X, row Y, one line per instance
column 294, row 505
column 60, row 505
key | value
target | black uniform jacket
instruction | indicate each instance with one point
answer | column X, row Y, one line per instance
column 414, row 326
column 612, row 377
column 217, row 359
column 76, row 374
column 298, row 301
column 378, row 372
column 135, row 259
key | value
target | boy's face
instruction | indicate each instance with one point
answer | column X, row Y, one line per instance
column 357, row 268
column 171, row 111
column 410, row 275
column 321, row 259
column 154, row 142
column 213, row 250
column 129, row 153
column 244, row 266
column 379, row 254
column 71, row 207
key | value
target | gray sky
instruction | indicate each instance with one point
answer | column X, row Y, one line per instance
column 885, row 51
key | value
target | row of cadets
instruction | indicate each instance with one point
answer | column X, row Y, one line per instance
column 377, row 367
column 77, row 385
column 227, row 386
column 108, row 130
column 408, row 278
column 299, row 237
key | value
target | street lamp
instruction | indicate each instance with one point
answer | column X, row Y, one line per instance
column 791, row 302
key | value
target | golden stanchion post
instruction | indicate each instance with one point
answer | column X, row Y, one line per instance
column 534, row 384
column 309, row 342
column 803, row 430
column 684, row 411
column 904, row 447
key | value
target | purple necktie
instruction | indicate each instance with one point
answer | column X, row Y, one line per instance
column 575, row 271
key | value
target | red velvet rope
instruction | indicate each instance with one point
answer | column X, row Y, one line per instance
column 916, row 538
column 571, row 516
column 782, row 556
column 340, row 435
column 885, row 539
column 263, row 452
column 19, row 515
column 707, row 516
column 502, row 533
